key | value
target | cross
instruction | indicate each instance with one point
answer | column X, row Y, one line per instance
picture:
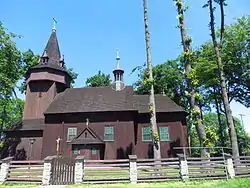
column 58, row 145
column 87, row 122
column 54, row 23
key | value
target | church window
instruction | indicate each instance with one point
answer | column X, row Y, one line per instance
column 72, row 132
column 108, row 133
column 164, row 135
column 146, row 134
column 93, row 151
column 76, row 151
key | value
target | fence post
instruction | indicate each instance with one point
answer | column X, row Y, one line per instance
column 5, row 169
column 47, row 170
column 133, row 168
column 229, row 165
column 79, row 169
column 183, row 167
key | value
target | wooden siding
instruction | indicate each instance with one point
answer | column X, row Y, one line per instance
column 38, row 97
column 176, row 135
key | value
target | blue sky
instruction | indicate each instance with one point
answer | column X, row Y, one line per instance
column 89, row 32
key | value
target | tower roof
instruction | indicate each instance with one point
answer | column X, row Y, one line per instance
column 51, row 57
column 52, row 50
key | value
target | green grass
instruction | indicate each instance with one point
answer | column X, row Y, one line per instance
column 236, row 183
column 13, row 185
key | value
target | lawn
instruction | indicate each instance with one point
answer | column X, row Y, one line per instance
column 13, row 185
column 236, row 183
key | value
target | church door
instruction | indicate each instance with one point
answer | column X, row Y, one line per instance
column 86, row 152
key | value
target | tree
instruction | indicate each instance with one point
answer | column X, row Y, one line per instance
column 98, row 80
column 217, row 51
column 149, row 81
column 10, row 66
column 168, row 80
column 191, row 80
column 212, row 128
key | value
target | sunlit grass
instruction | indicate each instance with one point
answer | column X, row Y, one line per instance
column 236, row 183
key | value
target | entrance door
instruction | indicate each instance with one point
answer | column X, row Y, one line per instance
column 90, row 151
column 86, row 152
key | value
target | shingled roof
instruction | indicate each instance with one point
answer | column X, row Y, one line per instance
column 96, row 99
column 53, row 54
column 28, row 124
column 93, row 99
column 162, row 104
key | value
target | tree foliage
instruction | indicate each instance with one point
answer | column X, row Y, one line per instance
column 98, row 80
column 169, row 78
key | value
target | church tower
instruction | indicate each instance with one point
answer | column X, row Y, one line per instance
column 45, row 80
column 118, row 74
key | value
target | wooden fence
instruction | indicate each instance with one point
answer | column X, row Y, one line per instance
column 242, row 169
column 28, row 171
column 158, row 170
column 106, row 171
column 67, row 171
column 204, row 168
column 62, row 171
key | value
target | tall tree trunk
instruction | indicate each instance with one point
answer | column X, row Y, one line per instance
column 217, row 49
column 195, row 110
column 222, row 138
column 155, row 135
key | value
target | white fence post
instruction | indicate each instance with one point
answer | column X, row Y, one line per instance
column 5, row 169
column 183, row 167
column 79, row 169
column 47, row 170
column 133, row 168
column 229, row 165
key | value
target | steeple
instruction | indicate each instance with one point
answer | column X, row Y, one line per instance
column 118, row 74
column 51, row 54
column 117, row 59
column 45, row 80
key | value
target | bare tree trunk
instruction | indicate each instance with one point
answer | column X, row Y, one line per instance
column 195, row 110
column 217, row 49
column 222, row 140
column 155, row 135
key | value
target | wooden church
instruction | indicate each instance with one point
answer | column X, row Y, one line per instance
column 99, row 123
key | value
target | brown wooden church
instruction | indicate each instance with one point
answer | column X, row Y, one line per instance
column 99, row 123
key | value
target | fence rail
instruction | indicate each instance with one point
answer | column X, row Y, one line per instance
column 106, row 171
column 25, row 171
column 207, row 168
column 242, row 168
column 54, row 170
column 158, row 170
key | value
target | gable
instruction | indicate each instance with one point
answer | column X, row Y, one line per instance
column 87, row 136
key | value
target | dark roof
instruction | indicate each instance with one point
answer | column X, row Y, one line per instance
column 162, row 104
column 53, row 53
column 93, row 99
column 97, row 99
column 52, row 50
column 29, row 124
column 92, row 138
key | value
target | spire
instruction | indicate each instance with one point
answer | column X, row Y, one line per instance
column 54, row 25
column 118, row 74
column 52, row 51
column 117, row 59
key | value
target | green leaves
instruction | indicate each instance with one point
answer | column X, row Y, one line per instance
column 100, row 79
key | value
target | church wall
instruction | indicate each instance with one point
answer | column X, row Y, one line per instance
column 48, row 74
column 38, row 97
column 123, row 144
column 20, row 146
column 176, row 133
